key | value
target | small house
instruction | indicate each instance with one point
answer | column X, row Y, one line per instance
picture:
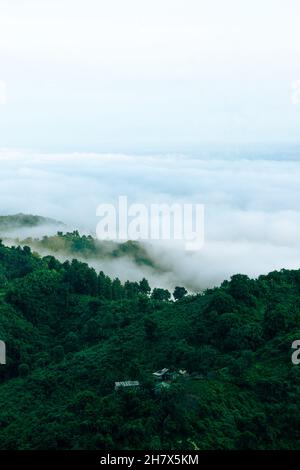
column 127, row 384
column 161, row 374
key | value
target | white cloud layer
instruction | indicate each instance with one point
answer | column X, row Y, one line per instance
column 252, row 204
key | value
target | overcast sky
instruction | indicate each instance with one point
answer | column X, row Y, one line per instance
column 141, row 75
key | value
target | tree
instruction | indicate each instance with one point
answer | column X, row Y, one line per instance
column 239, row 288
column 150, row 329
column 131, row 289
column 104, row 286
column 81, row 278
column 161, row 294
column 179, row 293
column 117, row 289
column 144, row 287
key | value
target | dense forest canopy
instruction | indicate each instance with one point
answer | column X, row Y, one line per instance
column 71, row 333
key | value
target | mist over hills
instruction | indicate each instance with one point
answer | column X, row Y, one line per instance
column 250, row 194
column 128, row 260
column 19, row 224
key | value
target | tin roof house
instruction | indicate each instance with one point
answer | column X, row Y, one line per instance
column 161, row 374
column 127, row 384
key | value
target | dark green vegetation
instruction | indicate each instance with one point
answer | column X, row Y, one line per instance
column 72, row 244
column 71, row 334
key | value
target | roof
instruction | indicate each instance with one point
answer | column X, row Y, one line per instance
column 127, row 383
column 159, row 373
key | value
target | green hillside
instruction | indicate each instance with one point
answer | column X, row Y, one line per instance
column 72, row 333
column 72, row 244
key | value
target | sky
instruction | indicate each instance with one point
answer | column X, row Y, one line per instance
column 141, row 76
column 164, row 101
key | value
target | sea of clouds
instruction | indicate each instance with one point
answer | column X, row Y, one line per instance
column 251, row 198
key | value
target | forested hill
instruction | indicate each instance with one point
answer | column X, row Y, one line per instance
column 73, row 244
column 71, row 334
column 18, row 221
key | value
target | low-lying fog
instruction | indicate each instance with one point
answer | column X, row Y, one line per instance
column 252, row 216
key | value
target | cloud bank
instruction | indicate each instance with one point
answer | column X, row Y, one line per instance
column 252, row 221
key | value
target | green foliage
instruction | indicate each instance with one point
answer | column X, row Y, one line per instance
column 161, row 294
column 179, row 293
column 23, row 370
column 88, row 248
column 71, row 333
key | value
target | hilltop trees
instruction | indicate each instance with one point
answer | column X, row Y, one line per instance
column 161, row 294
column 179, row 293
column 144, row 287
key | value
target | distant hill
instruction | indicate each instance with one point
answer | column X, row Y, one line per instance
column 89, row 248
column 12, row 222
column 21, row 229
column 47, row 236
